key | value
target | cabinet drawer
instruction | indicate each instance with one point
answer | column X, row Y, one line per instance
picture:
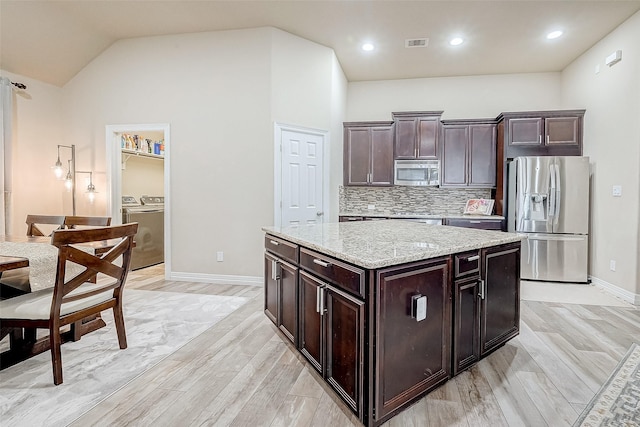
column 282, row 248
column 466, row 263
column 350, row 218
column 342, row 275
column 485, row 224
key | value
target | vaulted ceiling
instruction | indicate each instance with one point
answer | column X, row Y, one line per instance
column 53, row 40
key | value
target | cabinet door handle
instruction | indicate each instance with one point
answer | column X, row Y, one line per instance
column 547, row 139
column 540, row 139
column 320, row 300
column 274, row 243
column 471, row 221
column 321, row 263
column 274, row 270
column 482, row 289
column 419, row 307
column 473, row 258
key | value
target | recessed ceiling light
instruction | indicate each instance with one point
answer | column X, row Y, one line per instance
column 456, row 41
column 367, row 47
column 554, row 34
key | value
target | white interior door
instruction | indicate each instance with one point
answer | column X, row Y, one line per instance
column 301, row 177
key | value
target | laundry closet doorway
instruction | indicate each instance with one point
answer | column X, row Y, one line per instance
column 138, row 172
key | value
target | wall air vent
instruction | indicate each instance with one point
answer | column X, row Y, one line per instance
column 410, row 43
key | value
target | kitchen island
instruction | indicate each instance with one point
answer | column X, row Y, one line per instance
column 386, row 311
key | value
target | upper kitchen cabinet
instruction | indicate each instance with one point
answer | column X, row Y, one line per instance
column 468, row 157
column 534, row 133
column 368, row 153
column 542, row 133
column 417, row 134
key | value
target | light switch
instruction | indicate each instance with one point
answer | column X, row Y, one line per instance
column 617, row 191
column 371, row 207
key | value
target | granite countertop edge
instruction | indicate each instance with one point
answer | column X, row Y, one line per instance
column 488, row 239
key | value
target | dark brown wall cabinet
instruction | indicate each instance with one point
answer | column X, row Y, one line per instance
column 535, row 133
column 542, row 133
column 417, row 135
column 368, row 153
column 468, row 157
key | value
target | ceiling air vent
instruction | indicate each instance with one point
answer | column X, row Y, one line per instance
column 409, row 43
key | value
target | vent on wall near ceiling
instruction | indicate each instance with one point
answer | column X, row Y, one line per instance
column 409, row 43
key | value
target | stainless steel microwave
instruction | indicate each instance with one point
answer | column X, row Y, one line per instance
column 416, row 172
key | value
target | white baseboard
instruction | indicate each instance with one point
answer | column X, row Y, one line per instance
column 617, row 291
column 221, row 279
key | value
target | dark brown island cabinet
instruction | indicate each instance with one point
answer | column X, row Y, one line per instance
column 384, row 337
column 368, row 153
column 417, row 135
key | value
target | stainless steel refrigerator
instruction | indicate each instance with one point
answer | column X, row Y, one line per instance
column 548, row 202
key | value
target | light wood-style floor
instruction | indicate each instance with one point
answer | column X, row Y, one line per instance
column 242, row 372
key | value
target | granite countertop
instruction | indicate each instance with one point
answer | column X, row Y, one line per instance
column 376, row 244
column 417, row 215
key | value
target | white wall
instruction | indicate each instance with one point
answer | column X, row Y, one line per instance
column 214, row 91
column 459, row 97
column 220, row 92
column 612, row 140
column 142, row 176
column 38, row 128
column 309, row 90
column 338, row 111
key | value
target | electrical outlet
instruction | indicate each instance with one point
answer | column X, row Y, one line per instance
column 371, row 207
column 617, row 191
column 612, row 265
column 220, row 256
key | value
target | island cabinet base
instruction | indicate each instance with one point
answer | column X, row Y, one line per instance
column 411, row 335
column 383, row 338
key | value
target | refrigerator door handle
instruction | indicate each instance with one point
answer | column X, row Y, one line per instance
column 558, row 195
column 551, row 208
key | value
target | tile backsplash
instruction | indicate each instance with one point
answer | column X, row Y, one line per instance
column 414, row 200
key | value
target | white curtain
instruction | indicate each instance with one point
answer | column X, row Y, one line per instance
column 6, row 104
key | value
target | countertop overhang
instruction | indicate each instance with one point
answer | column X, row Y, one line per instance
column 377, row 244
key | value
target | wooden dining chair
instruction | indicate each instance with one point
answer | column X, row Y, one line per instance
column 33, row 221
column 73, row 299
column 91, row 221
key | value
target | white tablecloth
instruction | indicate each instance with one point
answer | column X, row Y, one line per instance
column 43, row 261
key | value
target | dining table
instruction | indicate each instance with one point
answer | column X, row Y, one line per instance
column 11, row 262
column 41, row 257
